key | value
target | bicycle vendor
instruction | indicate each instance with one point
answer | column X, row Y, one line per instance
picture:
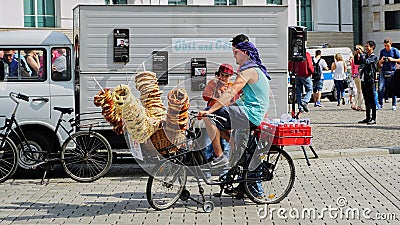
column 248, row 111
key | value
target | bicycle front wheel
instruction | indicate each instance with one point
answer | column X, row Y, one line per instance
column 86, row 156
column 272, row 181
column 165, row 185
column 8, row 158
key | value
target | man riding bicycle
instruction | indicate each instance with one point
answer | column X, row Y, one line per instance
column 252, row 82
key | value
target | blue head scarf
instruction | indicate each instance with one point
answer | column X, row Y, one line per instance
column 254, row 60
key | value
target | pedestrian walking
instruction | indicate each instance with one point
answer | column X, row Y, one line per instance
column 303, row 71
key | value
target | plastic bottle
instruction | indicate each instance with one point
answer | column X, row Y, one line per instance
column 285, row 118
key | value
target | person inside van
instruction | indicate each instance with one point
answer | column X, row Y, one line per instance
column 11, row 65
column 1, row 65
column 32, row 58
column 59, row 65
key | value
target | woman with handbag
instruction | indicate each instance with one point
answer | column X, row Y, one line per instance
column 358, row 99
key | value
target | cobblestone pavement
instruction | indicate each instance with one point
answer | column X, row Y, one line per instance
column 336, row 127
column 354, row 190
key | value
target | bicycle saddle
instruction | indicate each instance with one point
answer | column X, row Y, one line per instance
column 64, row 110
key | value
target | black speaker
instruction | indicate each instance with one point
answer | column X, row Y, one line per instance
column 297, row 43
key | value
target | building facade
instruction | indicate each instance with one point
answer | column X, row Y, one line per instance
column 328, row 21
column 381, row 19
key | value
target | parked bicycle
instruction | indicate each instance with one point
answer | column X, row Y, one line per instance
column 265, row 172
column 85, row 155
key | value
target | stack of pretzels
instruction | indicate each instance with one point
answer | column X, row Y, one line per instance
column 147, row 118
column 104, row 100
column 150, row 94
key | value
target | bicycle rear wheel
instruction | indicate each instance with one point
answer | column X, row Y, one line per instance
column 86, row 156
column 165, row 185
column 8, row 158
column 272, row 181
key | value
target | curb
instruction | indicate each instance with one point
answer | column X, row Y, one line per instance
column 297, row 153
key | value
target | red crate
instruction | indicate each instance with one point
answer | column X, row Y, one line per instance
column 296, row 135
column 293, row 134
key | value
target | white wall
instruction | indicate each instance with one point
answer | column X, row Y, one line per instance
column 200, row 2
column 324, row 12
column 66, row 10
column 12, row 14
column 325, row 15
column 374, row 28
column 253, row 2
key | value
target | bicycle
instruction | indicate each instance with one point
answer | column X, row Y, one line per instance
column 85, row 155
column 273, row 171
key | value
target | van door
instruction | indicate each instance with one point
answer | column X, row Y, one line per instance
column 25, row 72
column 61, row 82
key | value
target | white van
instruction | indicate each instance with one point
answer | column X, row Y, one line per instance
column 328, row 54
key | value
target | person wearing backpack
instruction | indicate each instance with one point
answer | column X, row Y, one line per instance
column 318, row 77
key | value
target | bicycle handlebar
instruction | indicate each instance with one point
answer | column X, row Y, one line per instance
column 15, row 96
column 211, row 116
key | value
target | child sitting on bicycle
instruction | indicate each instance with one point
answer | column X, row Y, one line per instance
column 211, row 93
column 249, row 109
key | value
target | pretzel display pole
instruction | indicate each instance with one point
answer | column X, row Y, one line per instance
column 98, row 84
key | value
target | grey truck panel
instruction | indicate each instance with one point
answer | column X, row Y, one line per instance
column 173, row 28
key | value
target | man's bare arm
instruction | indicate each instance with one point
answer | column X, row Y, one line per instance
column 241, row 80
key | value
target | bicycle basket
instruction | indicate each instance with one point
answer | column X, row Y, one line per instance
column 161, row 142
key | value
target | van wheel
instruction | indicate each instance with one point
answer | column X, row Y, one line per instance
column 333, row 96
column 39, row 144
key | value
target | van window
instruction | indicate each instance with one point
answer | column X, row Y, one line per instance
column 329, row 60
column 22, row 65
column 60, row 64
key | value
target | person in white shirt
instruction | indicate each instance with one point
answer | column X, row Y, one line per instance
column 318, row 84
column 339, row 76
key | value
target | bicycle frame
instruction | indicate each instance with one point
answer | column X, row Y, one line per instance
column 23, row 141
column 187, row 156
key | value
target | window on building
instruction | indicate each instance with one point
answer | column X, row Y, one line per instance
column 276, row 2
column 23, row 65
column 386, row 1
column 396, row 1
column 116, row 2
column 225, row 2
column 39, row 13
column 392, row 20
column 304, row 14
column 177, row 2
